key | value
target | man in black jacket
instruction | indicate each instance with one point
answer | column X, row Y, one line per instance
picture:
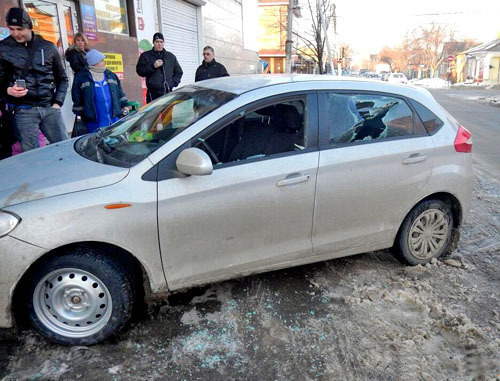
column 161, row 69
column 209, row 68
column 33, row 79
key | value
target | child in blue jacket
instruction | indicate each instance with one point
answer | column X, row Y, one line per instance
column 97, row 93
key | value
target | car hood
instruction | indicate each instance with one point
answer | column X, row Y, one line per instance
column 54, row 170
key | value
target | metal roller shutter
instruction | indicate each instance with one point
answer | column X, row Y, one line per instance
column 180, row 29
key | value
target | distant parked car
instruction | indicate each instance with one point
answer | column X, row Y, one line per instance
column 397, row 78
column 226, row 178
column 373, row 76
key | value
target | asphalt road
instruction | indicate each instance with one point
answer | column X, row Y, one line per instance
column 480, row 118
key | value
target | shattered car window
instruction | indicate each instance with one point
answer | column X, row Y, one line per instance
column 366, row 117
column 135, row 137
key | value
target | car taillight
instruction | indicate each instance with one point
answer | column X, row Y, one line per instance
column 463, row 140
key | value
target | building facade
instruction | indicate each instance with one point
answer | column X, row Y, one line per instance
column 122, row 29
column 272, row 34
column 228, row 26
column 481, row 63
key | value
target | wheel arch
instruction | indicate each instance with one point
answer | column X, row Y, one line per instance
column 447, row 198
column 450, row 199
column 139, row 274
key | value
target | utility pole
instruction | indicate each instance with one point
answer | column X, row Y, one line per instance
column 288, row 46
column 325, row 31
column 337, row 44
column 293, row 9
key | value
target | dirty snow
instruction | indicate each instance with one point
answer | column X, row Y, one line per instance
column 366, row 317
column 434, row 83
column 493, row 100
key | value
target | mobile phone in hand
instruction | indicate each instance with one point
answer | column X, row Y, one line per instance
column 21, row 83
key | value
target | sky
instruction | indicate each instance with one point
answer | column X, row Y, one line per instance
column 368, row 25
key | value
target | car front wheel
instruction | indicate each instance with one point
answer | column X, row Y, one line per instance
column 426, row 232
column 79, row 298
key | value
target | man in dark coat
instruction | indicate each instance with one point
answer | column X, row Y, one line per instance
column 161, row 69
column 33, row 80
column 209, row 68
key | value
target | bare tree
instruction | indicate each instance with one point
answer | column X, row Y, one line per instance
column 428, row 41
column 386, row 59
column 421, row 47
column 311, row 40
column 397, row 57
column 347, row 54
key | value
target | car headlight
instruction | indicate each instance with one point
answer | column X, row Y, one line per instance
column 8, row 222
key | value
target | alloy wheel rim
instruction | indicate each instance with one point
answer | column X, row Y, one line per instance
column 428, row 234
column 72, row 302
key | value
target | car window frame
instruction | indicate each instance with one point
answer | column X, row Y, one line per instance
column 166, row 168
column 324, row 132
column 251, row 107
column 411, row 102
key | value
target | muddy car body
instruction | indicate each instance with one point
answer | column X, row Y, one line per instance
column 227, row 178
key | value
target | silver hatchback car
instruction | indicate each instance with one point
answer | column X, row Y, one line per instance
column 225, row 178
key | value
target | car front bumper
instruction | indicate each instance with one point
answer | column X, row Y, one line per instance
column 15, row 258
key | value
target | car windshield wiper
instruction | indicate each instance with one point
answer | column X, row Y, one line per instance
column 101, row 146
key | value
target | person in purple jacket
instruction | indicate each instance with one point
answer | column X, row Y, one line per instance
column 97, row 94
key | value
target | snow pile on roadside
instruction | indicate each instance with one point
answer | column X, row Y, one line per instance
column 434, row 83
column 493, row 87
column 469, row 84
column 494, row 101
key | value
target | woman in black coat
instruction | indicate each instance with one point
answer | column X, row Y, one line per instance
column 75, row 54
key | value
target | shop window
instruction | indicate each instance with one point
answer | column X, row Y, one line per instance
column 45, row 21
column 111, row 16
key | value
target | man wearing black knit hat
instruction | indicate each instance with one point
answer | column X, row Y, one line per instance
column 161, row 69
column 33, row 80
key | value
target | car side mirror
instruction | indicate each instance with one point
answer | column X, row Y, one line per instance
column 193, row 161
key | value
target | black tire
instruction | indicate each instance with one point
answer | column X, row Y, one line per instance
column 426, row 232
column 79, row 298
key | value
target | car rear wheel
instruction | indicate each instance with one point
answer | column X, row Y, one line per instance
column 79, row 298
column 426, row 232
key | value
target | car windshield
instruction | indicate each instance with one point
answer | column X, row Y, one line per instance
column 135, row 137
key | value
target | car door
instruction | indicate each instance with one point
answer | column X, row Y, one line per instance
column 255, row 210
column 375, row 157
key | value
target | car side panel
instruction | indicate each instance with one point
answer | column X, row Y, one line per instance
column 363, row 189
column 452, row 172
column 15, row 257
column 82, row 217
column 236, row 219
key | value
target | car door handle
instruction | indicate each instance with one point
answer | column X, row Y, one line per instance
column 292, row 180
column 414, row 158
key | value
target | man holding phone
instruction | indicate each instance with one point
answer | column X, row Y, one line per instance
column 33, row 81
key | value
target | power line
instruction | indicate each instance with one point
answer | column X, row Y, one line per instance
column 446, row 13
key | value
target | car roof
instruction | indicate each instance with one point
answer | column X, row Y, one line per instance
column 240, row 84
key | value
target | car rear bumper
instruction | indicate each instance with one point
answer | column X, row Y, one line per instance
column 15, row 257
